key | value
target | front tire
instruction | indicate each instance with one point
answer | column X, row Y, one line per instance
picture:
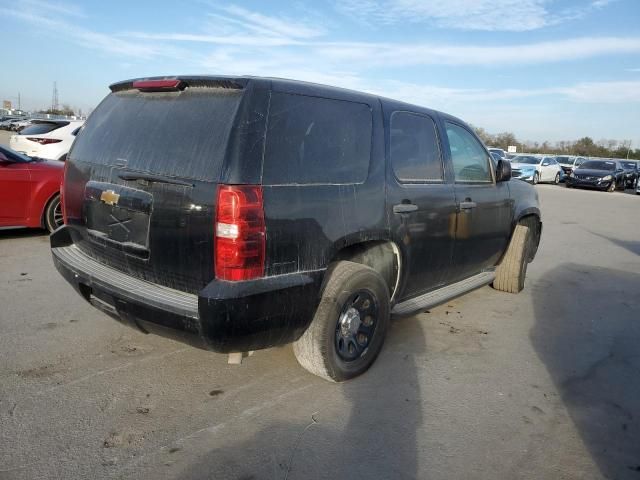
column 612, row 187
column 349, row 326
column 557, row 179
column 536, row 178
column 53, row 214
column 511, row 272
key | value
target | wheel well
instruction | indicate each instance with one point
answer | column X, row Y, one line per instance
column 383, row 256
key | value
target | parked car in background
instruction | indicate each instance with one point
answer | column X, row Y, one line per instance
column 246, row 213
column 500, row 152
column 534, row 169
column 606, row 175
column 568, row 163
column 50, row 139
column 19, row 125
column 630, row 168
column 29, row 191
column 4, row 124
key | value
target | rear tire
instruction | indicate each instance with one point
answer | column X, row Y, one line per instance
column 53, row 214
column 511, row 272
column 335, row 332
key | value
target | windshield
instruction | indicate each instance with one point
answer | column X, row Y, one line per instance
column 526, row 159
column 629, row 165
column 598, row 165
column 564, row 160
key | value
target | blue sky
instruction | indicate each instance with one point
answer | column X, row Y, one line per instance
column 543, row 69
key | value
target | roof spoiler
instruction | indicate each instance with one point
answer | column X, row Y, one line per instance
column 167, row 84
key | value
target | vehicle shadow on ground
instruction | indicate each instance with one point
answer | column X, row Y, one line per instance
column 588, row 336
column 633, row 246
column 22, row 233
column 373, row 436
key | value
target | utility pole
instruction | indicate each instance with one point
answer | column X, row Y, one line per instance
column 54, row 97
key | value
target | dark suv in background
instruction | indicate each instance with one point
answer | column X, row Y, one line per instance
column 241, row 213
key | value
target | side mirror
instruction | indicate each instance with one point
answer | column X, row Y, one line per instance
column 503, row 171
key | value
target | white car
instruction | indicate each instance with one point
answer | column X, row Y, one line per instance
column 18, row 125
column 534, row 169
column 499, row 151
column 569, row 163
column 50, row 139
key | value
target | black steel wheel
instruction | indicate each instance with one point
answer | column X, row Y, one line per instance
column 349, row 326
column 356, row 325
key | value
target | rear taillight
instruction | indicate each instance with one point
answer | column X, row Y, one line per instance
column 44, row 141
column 239, row 233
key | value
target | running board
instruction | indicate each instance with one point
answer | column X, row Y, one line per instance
column 441, row 295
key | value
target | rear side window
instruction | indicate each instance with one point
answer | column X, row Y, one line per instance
column 173, row 134
column 470, row 161
column 313, row 140
column 40, row 128
column 414, row 150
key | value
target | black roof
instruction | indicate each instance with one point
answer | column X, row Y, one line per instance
column 291, row 86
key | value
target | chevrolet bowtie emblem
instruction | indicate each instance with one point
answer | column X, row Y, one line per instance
column 109, row 197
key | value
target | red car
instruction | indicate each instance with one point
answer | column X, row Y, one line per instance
column 29, row 191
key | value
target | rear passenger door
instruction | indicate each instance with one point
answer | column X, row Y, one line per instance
column 420, row 202
column 483, row 217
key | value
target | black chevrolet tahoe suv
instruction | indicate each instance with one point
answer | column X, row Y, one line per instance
column 241, row 213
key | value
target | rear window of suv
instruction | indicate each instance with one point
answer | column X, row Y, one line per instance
column 40, row 128
column 172, row 134
column 313, row 140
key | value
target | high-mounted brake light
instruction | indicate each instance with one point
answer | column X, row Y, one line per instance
column 239, row 233
column 44, row 141
column 159, row 85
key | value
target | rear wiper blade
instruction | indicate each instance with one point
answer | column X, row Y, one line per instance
column 153, row 178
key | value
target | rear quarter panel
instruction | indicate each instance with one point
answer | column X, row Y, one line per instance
column 45, row 179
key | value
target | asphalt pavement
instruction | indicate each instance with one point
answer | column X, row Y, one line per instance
column 543, row 384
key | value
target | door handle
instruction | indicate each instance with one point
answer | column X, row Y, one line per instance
column 467, row 205
column 405, row 208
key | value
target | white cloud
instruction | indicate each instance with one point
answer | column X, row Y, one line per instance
column 104, row 42
column 604, row 92
column 276, row 26
column 507, row 55
column 443, row 98
column 488, row 15
column 62, row 8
